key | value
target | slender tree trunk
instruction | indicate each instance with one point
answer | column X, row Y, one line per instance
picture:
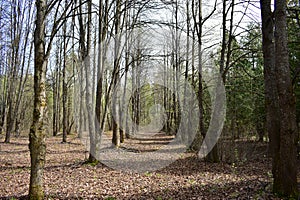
column 100, row 68
column 59, row 89
column 37, row 133
column 165, row 128
column 64, row 82
column 81, row 102
column 137, row 85
column 186, row 73
column 3, row 106
column 133, row 99
column 124, row 109
column 213, row 154
column 116, row 73
column 85, row 56
column 271, row 93
column 9, row 118
column 54, row 120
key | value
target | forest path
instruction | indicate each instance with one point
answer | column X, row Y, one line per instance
column 147, row 142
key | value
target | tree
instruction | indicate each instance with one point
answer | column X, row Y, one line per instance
column 85, row 47
column 199, row 21
column 17, row 31
column 268, row 47
column 280, row 101
column 37, row 133
column 285, row 176
column 116, row 71
column 64, row 80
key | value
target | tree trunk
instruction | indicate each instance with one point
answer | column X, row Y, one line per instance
column 3, row 109
column 55, row 86
column 123, row 120
column 100, row 70
column 271, row 94
column 64, row 87
column 213, row 155
column 285, row 176
column 115, row 76
column 9, row 119
column 85, row 56
column 37, row 134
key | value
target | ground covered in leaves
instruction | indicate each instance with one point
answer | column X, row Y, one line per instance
column 67, row 176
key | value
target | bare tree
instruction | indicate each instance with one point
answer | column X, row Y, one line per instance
column 37, row 133
column 116, row 71
column 19, row 38
column 64, row 82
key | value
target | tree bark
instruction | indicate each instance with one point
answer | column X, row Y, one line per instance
column 85, row 48
column 55, row 102
column 116, row 73
column 271, row 94
column 285, row 176
column 37, row 134
column 64, row 82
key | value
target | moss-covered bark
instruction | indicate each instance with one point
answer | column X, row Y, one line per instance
column 37, row 134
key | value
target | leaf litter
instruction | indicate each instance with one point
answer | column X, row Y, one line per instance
column 67, row 176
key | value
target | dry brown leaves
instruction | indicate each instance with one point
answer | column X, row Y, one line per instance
column 67, row 177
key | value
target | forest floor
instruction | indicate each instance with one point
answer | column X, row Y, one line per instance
column 67, row 176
